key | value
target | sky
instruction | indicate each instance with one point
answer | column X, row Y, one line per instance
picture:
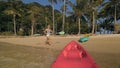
column 45, row 2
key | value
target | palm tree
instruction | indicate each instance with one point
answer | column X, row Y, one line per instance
column 12, row 11
column 111, row 10
column 63, row 8
column 58, row 20
column 93, row 6
column 78, row 9
column 34, row 12
column 14, row 14
column 47, row 15
column 52, row 2
column 115, row 4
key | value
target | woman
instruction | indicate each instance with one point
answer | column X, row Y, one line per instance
column 48, row 32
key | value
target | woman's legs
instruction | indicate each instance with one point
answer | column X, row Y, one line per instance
column 48, row 40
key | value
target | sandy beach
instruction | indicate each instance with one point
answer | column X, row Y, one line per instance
column 105, row 49
column 99, row 43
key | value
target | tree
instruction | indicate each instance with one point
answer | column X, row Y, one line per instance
column 52, row 2
column 63, row 8
column 34, row 12
column 94, row 6
column 111, row 11
column 2, row 15
column 13, row 11
column 79, row 9
column 47, row 14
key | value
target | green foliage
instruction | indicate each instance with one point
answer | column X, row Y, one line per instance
column 25, row 14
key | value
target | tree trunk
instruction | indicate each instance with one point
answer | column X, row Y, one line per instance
column 96, row 28
column 56, row 27
column 93, row 24
column 14, row 24
column 0, row 28
column 8, row 25
column 32, row 28
column 115, row 21
column 53, row 17
column 105, row 30
column 79, row 26
column 46, row 20
column 63, row 16
column 67, row 27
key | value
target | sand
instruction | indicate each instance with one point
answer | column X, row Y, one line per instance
column 98, row 43
column 32, row 52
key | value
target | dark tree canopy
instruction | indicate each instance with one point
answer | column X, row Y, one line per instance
column 32, row 18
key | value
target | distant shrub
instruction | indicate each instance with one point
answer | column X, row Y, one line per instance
column 21, row 33
column 117, row 28
column 7, row 33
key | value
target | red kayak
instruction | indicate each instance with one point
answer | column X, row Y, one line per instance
column 74, row 56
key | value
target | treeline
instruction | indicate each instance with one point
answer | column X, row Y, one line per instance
column 87, row 16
